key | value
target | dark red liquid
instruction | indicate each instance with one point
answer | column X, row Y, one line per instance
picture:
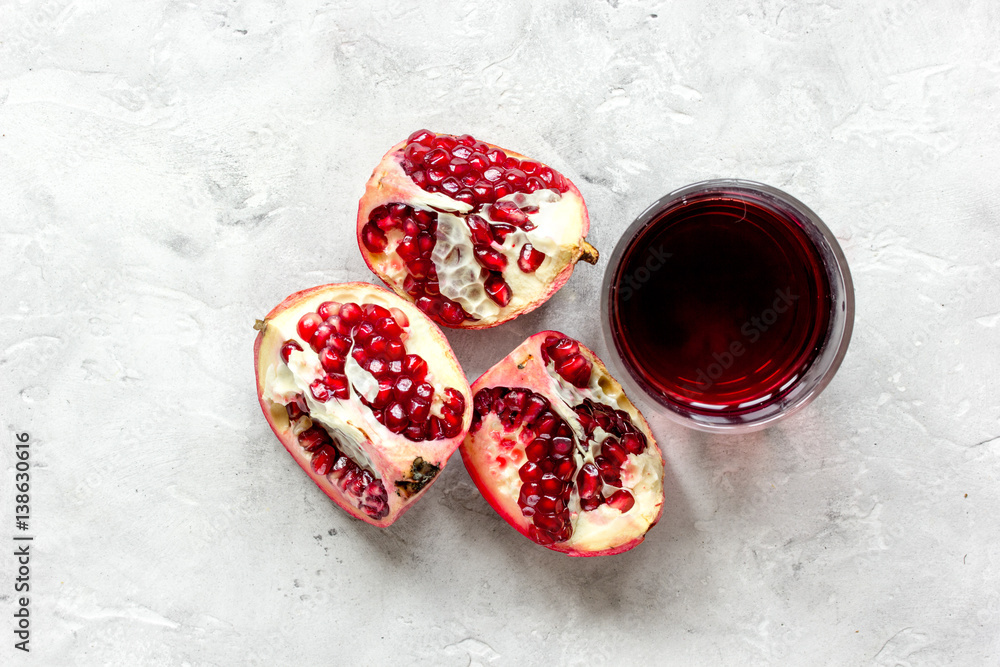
column 719, row 304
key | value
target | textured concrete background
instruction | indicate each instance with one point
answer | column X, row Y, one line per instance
column 170, row 170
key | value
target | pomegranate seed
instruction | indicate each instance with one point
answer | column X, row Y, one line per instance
column 530, row 168
column 516, row 178
column 502, row 189
column 614, row 452
column 609, row 471
column 501, row 230
column 575, row 370
column 374, row 238
column 416, row 153
column 415, row 432
column 588, row 504
column 549, row 522
column 319, row 391
column 394, row 350
column 478, row 161
column 550, row 505
column 434, row 177
column 561, row 445
column 496, row 156
column 376, row 345
column 445, row 141
column 419, row 409
column 451, row 185
column 388, row 327
column 455, row 401
column 435, row 429
column 562, row 348
column 534, row 184
column 424, row 390
column 489, row 258
column 480, row 229
column 378, row 367
column 452, row 313
column 437, row 157
column 350, row 314
column 537, row 450
column 323, row 459
column 459, row 166
column 415, row 367
column 530, row 472
column 542, row 537
column 424, row 137
column 564, row 469
column 307, row 326
column 483, row 192
column 534, row 406
column 530, row 259
column 621, row 500
column 498, row 289
column 547, row 424
column 339, row 343
column 313, row 438
column 395, row 418
column 294, row 411
column 546, row 175
column 511, row 163
column 634, row 443
column 588, row 482
column 403, row 388
column 287, row 348
column 321, row 337
column 338, row 384
column 492, row 175
column 508, row 211
column 331, row 361
column 427, row 305
column 328, row 309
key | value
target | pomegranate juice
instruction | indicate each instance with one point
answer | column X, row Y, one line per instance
column 720, row 303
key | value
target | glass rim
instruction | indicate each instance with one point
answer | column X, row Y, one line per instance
column 817, row 376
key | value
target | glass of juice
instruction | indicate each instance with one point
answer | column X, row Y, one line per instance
column 729, row 303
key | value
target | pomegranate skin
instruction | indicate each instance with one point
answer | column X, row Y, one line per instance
column 405, row 468
column 560, row 235
column 497, row 455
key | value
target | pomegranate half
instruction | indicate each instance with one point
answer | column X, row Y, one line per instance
column 561, row 453
column 364, row 392
column 472, row 233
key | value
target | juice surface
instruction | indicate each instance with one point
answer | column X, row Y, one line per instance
column 720, row 303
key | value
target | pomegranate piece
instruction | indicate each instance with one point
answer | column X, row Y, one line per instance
column 364, row 392
column 559, row 451
column 450, row 223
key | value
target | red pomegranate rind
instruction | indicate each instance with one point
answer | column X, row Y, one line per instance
column 364, row 392
column 566, row 459
column 473, row 234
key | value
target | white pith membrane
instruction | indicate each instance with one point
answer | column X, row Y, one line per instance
column 558, row 233
column 605, row 527
column 351, row 424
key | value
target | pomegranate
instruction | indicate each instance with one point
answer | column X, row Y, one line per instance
column 365, row 393
column 561, row 453
column 474, row 234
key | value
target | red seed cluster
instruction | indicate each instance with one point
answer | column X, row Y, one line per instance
column 370, row 493
column 372, row 335
column 550, row 472
column 415, row 248
column 569, row 362
column 472, row 172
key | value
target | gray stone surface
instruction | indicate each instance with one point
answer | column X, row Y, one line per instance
column 170, row 170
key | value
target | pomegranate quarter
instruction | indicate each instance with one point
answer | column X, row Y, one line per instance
column 560, row 452
column 364, row 392
column 474, row 234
